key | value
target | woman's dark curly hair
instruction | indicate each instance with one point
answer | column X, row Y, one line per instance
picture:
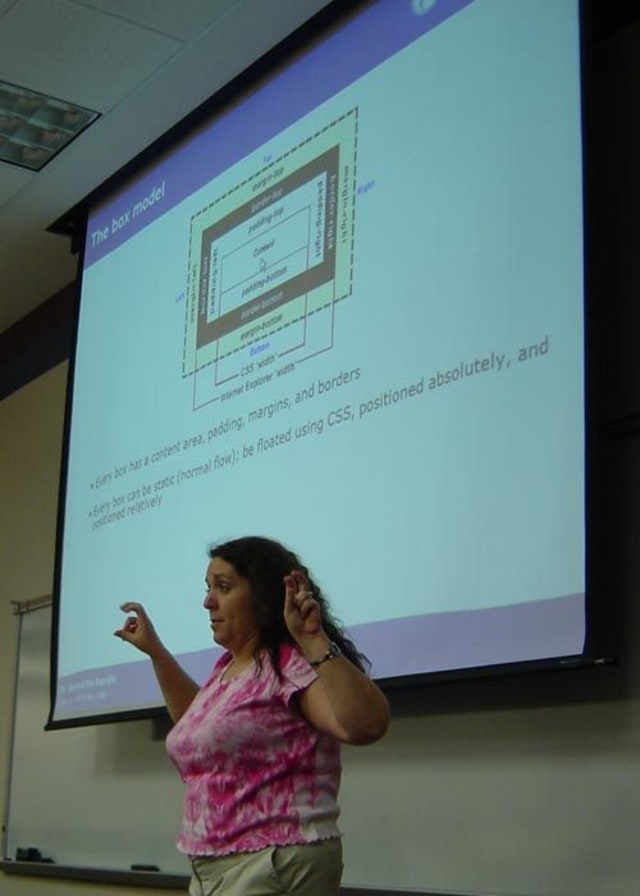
column 264, row 563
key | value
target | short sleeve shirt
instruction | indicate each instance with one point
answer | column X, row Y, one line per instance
column 257, row 774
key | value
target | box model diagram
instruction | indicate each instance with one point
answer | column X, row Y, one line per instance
column 269, row 260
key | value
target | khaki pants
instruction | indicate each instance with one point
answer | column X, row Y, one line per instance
column 313, row 869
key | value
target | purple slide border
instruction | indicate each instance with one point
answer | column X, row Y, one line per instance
column 391, row 26
column 416, row 645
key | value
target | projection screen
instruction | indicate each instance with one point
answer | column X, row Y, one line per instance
column 345, row 312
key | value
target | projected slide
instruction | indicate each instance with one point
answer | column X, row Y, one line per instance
column 346, row 314
column 269, row 259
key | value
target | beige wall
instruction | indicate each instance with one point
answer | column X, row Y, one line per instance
column 31, row 426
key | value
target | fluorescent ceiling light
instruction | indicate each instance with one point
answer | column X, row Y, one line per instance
column 35, row 127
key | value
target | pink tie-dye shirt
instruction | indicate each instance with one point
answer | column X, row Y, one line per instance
column 257, row 773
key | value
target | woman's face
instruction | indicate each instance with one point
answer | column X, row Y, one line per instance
column 230, row 607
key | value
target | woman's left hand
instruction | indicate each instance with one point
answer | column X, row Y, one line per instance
column 342, row 701
column 301, row 610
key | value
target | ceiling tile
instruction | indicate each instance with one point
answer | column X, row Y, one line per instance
column 184, row 20
column 12, row 180
column 79, row 54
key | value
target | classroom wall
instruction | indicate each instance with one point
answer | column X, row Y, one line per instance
column 528, row 785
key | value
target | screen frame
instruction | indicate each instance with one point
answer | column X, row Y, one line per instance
column 599, row 649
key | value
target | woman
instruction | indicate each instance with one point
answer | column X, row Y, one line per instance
column 258, row 746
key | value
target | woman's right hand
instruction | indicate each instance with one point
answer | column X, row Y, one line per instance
column 138, row 630
column 178, row 689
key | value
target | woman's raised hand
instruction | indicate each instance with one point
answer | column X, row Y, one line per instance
column 301, row 610
column 138, row 629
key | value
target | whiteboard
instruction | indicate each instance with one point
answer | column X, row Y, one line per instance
column 99, row 797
